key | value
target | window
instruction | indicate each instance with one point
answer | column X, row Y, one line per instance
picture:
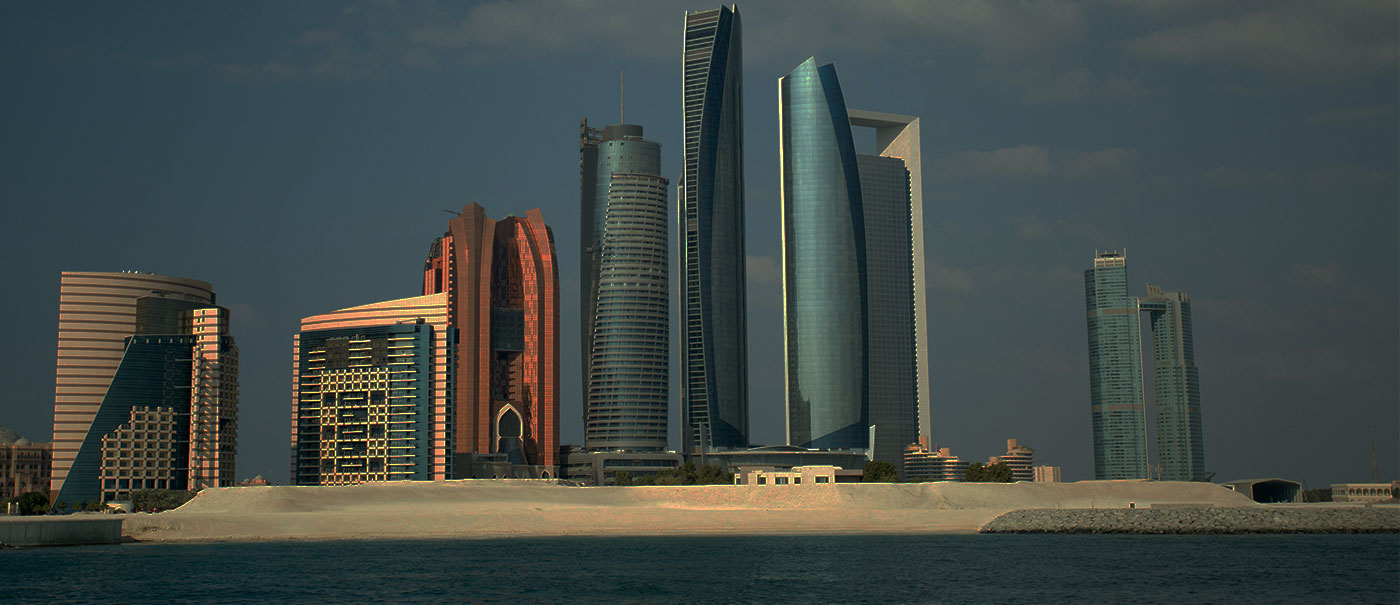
column 823, row 479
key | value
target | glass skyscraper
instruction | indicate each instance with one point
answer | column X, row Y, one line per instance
column 1176, row 386
column 626, row 297
column 147, row 387
column 1115, row 370
column 1116, row 378
column 714, row 344
column 850, row 266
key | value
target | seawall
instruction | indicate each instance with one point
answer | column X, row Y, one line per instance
column 60, row 531
column 1202, row 520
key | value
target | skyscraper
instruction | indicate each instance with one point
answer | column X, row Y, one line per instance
column 1176, row 386
column 372, row 393
column 714, row 342
column 502, row 285
column 852, row 267
column 626, row 306
column 147, row 387
column 1115, row 370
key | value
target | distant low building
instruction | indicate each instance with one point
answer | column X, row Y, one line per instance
column 254, row 482
column 1046, row 474
column 24, row 466
column 1268, row 491
column 1363, row 492
column 798, row 475
column 923, row 464
column 783, row 456
column 1019, row 458
column 601, row 468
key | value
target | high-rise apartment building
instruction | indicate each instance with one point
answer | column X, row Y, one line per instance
column 1116, row 378
column 502, row 284
column 1176, row 386
column 625, row 309
column 147, row 387
column 714, row 342
column 372, row 393
column 852, row 269
column 1019, row 458
column 1115, row 370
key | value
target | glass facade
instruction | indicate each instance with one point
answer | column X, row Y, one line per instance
column 894, row 371
column 1177, row 387
column 364, row 405
column 714, row 347
column 824, row 265
column 626, row 320
column 1115, row 371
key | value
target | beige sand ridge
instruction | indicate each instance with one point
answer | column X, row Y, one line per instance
column 497, row 508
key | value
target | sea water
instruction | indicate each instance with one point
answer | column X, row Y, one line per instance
column 726, row 569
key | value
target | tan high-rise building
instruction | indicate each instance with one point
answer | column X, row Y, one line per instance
column 146, row 393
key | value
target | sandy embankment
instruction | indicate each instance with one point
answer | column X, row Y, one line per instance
column 499, row 508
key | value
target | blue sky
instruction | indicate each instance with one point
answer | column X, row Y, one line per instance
column 298, row 156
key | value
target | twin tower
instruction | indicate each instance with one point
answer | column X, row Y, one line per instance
column 855, row 320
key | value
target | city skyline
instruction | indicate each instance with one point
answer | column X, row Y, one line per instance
column 1030, row 174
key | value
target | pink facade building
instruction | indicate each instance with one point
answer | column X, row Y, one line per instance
column 501, row 279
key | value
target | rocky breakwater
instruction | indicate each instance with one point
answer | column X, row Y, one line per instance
column 1262, row 519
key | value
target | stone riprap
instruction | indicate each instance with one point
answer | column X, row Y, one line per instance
column 1201, row 520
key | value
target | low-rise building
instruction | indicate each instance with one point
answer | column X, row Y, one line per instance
column 782, row 456
column 797, row 475
column 1019, row 458
column 1363, row 492
column 924, row 464
column 1046, row 474
column 1270, row 490
column 601, row 468
column 24, row 466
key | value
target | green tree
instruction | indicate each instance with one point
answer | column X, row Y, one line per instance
column 156, row 500
column 622, row 478
column 879, row 471
column 989, row 473
column 33, row 503
column 95, row 506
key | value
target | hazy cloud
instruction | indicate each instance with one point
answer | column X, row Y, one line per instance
column 1077, row 85
column 1234, row 177
column 1032, row 161
column 1022, row 162
column 945, row 278
column 1349, row 176
column 765, row 277
column 1112, row 161
column 1348, row 114
column 1033, row 226
column 1298, row 38
column 1317, row 275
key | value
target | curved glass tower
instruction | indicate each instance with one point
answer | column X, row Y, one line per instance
column 825, row 306
column 626, row 311
column 714, row 345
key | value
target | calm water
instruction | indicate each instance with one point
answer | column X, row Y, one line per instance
column 871, row 569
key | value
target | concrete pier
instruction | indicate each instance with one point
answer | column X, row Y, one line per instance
column 60, row 530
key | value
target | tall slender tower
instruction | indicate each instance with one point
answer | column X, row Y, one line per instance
column 851, row 267
column 1176, row 386
column 626, row 310
column 1115, row 370
column 714, row 342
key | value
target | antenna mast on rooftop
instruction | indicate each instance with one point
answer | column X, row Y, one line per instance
column 1375, row 470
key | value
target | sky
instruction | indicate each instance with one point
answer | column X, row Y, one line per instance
column 299, row 157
